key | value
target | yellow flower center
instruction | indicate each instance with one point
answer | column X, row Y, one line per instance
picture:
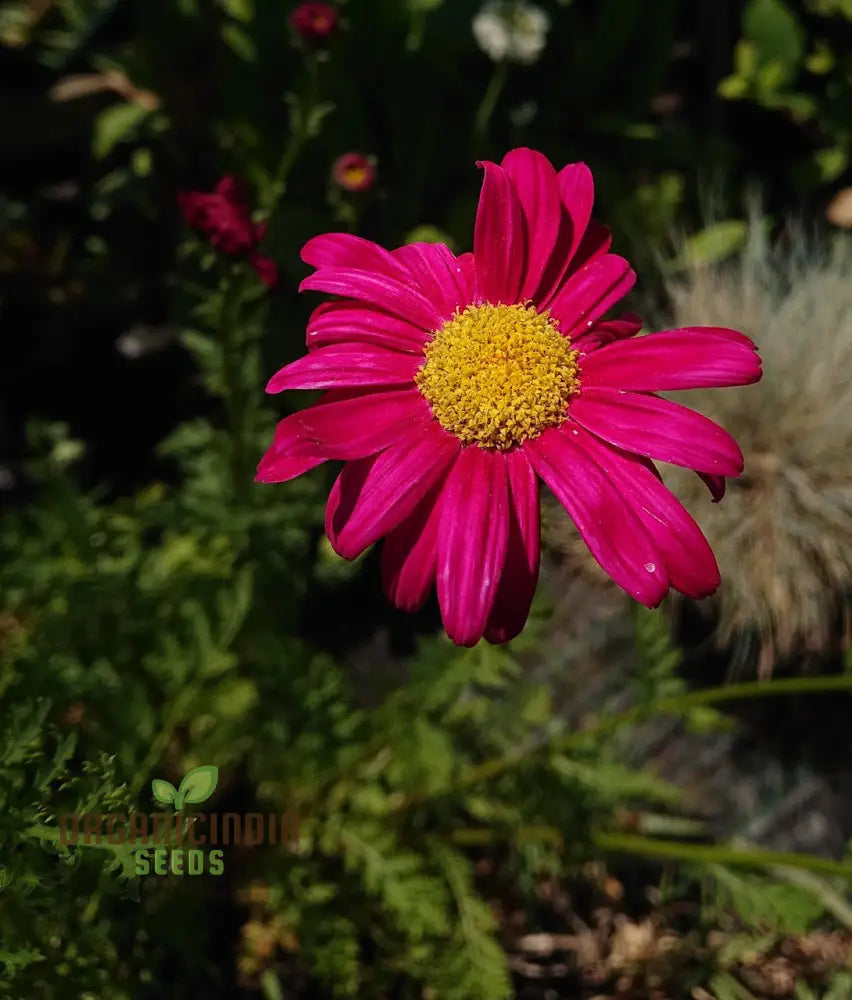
column 498, row 375
column 354, row 176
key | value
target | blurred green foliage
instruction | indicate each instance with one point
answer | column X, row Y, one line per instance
column 796, row 61
column 165, row 628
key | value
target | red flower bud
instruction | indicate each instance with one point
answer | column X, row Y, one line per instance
column 314, row 22
column 223, row 216
column 353, row 172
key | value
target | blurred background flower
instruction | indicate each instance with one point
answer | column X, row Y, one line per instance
column 314, row 22
column 512, row 30
column 354, row 172
column 223, row 217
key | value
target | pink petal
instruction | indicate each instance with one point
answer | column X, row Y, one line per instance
column 339, row 322
column 372, row 496
column 467, row 276
column 691, row 358
column 364, row 424
column 595, row 243
column 589, row 293
column 716, row 485
column 577, row 190
column 657, row 428
column 377, row 290
column 577, row 195
column 346, row 365
column 472, row 538
column 290, row 455
column 293, row 451
column 410, row 553
column 622, row 328
column 537, row 188
column 610, row 527
column 688, row 559
column 523, row 551
column 437, row 274
column 343, row 250
column 499, row 246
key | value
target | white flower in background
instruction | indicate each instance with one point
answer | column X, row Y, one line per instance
column 141, row 340
column 511, row 30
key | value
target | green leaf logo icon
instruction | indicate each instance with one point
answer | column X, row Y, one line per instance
column 197, row 785
column 164, row 791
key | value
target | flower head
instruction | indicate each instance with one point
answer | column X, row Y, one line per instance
column 455, row 384
column 512, row 30
column 353, row 172
column 223, row 216
column 314, row 22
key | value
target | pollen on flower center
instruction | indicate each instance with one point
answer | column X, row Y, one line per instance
column 497, row 375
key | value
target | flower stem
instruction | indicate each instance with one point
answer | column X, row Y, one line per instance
column 720, row 854
column 745, row 856
column 299, row 135
column 234, row 397
column 489, row 103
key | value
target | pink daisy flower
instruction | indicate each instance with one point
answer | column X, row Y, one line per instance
column 455, row 384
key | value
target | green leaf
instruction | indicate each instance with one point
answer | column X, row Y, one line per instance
column 829, row 8
column 725, row 987
column 733, row 87
column 537, row 705
column 841, row 982
column 831, row 163
column 114, row 125
column 801, row 107
column 429, row 234
column 233, row 698
column 713, row 244
column 315, row 118
column 771, row 77
column 164, row 791
column 765, row 904
column 821, row 60
column 239, row 43
column 239, row 10
column 745, row 58
column 141, row 161
column 199, row 783
column 270, row 986
column 704, row 719
column 775, row 31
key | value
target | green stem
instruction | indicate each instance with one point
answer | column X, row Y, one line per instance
column 720, row 854
column 489, row 103
column 782, row 862
column 298, row 137
column 232, row 366
column 675, row 705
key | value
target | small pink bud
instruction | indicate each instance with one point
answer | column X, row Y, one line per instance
column 354, row 172
column 314, row 22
